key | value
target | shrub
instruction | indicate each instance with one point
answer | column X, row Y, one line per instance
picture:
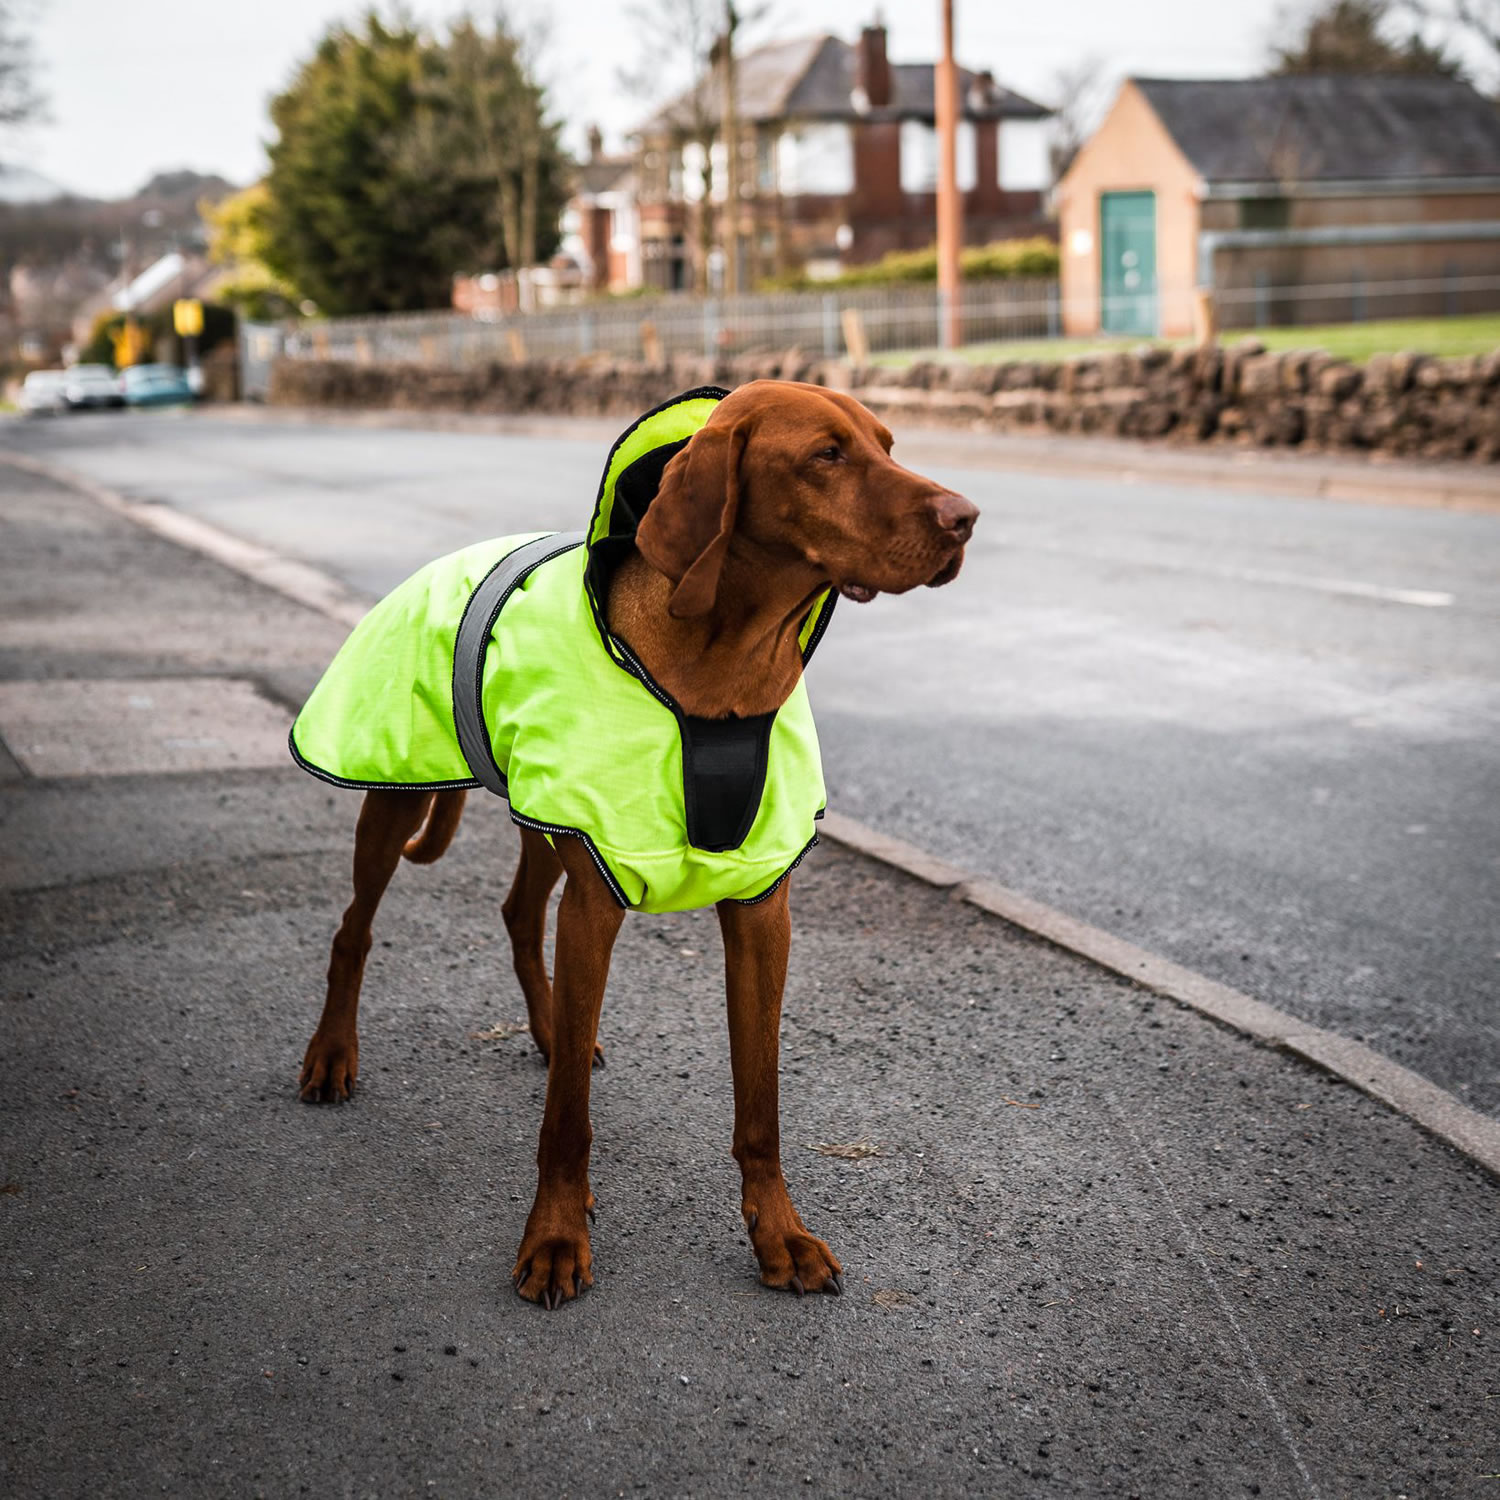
column 1003, row 259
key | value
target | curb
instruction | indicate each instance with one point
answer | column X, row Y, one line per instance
column 308, row 586
column 1433, row 1109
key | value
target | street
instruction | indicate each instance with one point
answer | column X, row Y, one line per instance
column 1094, row 1244
column 1253, row 733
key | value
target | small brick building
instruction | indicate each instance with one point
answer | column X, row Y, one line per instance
column 1295, row 200
column 837, row 162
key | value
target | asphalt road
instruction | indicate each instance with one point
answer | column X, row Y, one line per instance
column 1102, row 1248
column 1259, row 735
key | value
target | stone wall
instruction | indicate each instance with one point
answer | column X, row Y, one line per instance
column 1408, row 405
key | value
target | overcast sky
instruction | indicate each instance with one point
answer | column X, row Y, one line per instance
column 138, row 86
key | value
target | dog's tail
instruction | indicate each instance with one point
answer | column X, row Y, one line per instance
column 430, row 842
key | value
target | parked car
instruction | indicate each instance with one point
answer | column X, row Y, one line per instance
column 42, row 393
column 92, row 385
column 156, row 385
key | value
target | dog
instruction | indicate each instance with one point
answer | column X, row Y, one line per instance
column 726, row 528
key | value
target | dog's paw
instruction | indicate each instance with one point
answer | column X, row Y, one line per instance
column 554, row 1263
column 329, row 1070
column 791, row 1258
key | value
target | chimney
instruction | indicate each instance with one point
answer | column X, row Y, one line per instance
column 596, row 143
column 872, row 72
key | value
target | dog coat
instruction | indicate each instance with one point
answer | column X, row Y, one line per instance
column 494, row 667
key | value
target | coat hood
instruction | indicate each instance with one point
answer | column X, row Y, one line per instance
column 632, row 476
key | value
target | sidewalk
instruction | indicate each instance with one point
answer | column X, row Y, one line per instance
column 1103, row 1248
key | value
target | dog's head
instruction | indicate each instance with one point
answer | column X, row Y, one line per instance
column 794, row 470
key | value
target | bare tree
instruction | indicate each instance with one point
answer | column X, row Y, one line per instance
column 1076, row 90
column 1476, row 19
column 677, row 42
column 20, row 98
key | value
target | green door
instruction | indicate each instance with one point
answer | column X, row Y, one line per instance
column 1127, row 262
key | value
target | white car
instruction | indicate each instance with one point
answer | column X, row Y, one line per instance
column 92, row 385
column 43, row 393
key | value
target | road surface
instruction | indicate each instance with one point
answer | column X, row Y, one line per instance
column 1257, row 734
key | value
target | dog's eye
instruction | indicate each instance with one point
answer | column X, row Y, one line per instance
column 831, row 454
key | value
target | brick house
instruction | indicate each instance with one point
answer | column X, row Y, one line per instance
column 838, row 162
column 1295, row 200
column 600, row 229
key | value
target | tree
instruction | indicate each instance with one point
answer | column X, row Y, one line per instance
column 1076, row 88
column 20, row 99
column 1476, row 19
column 677, row 47
column 484, row 105
column 402, row 158
column 239, row 239
column 1350, row 36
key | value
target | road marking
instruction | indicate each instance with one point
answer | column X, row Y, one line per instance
column 1421, row 598
column 1356, row 588
column 1195, row 1250
column 1436, row 1111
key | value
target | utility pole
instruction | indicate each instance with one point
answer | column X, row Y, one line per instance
column 949, row 206
column 734, row 260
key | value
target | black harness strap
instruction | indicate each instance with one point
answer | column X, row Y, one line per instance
column 473, row 640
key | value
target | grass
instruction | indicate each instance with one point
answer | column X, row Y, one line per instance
column 1476, row 333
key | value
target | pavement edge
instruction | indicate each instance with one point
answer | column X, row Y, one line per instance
column 1407, row 1093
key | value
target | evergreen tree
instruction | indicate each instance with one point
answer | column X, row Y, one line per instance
column 1349, row 36
column 401, row 159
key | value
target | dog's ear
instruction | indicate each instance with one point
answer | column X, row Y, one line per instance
column 685, row 531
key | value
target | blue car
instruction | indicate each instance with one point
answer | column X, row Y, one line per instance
column 156, row 385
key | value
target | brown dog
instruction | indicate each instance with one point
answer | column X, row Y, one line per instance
column 788, row 488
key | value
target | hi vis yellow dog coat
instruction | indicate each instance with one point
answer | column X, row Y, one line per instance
column 494, row 667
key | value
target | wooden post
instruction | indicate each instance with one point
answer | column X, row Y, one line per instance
column 650, row 343
column 1205, row 317
column 515, row 342
column 949, row 205
column 854, row 336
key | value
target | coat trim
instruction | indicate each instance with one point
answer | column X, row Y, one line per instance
column 350, row 784
column 775, row 885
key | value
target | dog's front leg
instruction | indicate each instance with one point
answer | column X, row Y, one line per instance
column 756, row 942
column 554, row 1262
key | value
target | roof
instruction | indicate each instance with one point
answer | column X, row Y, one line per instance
column 813, row 78
column 600, row 174
column 1313, row 128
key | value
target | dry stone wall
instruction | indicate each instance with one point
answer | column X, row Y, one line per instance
column 1407, row 405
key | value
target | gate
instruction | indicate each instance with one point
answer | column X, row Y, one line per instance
column 260, row 344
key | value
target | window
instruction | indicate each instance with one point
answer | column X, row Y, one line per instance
column 919, row 156
column 815, row 159
column 765, row 162
column 1264, row 213
column 1025, row 157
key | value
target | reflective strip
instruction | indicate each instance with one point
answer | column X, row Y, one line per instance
column 473, row 640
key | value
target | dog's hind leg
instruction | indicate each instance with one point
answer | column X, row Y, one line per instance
column 525, row 913
column 387, row 820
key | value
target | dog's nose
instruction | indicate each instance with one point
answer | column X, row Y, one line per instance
column 955, row 515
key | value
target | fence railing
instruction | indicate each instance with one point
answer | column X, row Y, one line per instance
column 855, row 322
column 890, row 317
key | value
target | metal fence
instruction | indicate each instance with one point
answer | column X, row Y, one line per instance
column 889, row 317
column 835, row 324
